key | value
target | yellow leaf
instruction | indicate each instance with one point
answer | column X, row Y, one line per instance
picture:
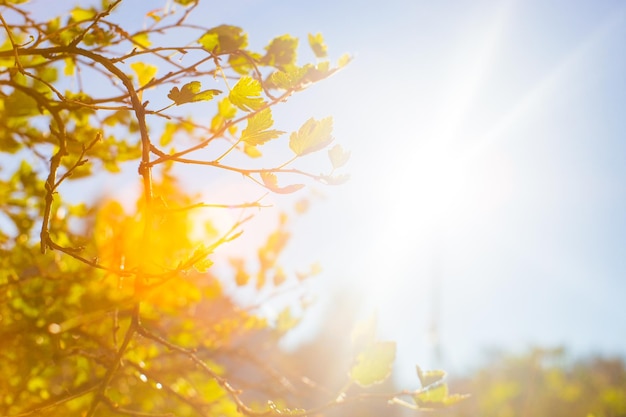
column 279, row 276
column 70, row 66
column 226, row 109
column 437, row 397
column 286, row 321
column 241, row 276
column 317, row 45
column 246, row 94
column 224, row 38
column 145, row 72
column 270, row 181
column 301, row 206
column 288, row 79
column 281, row 52
column 168, row 133
column 255, row 133
column 374, row 364
column 338, row 156
column 435, row 394
column 312, row 136
column 79, row 14
column 334, row 179
column 251, row 151
column 141, row 40
column 190, row 92
column 429, row 377
column 344, row 60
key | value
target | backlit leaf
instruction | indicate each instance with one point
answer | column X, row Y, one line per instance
column 224, row 38
column 241, row 276
column 225, row 111
column 251, row 151
column 255, row 133
column 168, row 133
column 270, row 181
column 437, row 397
column 288, row 79
column 243, row 64
column 429, row 377
column 338, row 156
column 316, row 42
column 435, row 394
column 142, row 40
column 190, row 93
column 285, row 320
column 344, row 60
column 374, row 364
column 246, row 94
column 279, row 276
column 79, row 14
column 335, row 179
column 312, row 136
column 70, row 66
column 281, row 52
column 145, row 72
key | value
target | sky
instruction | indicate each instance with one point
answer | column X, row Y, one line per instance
column 487, row 169
column 488, row 153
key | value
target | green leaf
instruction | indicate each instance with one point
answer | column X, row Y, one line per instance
column 374, row 364
column 224, row 38
column 270, row 181
column 435, row 394
column 312, row 136
column 437, row 397
column 255, row 133
column 145, row 72
column 316, row 42
column 185, row 2
column 429, row 377
column 246, row 94
column 338, row 156
column 190, row 93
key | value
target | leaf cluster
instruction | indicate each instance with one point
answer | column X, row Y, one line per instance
column 107, row 309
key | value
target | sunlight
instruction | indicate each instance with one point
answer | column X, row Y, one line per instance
column 432, row 188
column 453, row 183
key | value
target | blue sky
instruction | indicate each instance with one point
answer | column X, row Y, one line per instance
column 488, row 150
column 488, row 144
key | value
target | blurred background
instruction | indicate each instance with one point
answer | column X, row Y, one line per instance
column 485, row 210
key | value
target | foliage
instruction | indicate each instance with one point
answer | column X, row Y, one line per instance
column 110, row 310
column 543, row 383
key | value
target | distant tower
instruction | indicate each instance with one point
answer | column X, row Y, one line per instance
column 434, row 330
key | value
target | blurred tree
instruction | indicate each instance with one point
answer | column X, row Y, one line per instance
column 542, row 383
column 110, row 310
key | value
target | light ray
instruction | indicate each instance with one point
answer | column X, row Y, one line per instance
column 547, row 85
